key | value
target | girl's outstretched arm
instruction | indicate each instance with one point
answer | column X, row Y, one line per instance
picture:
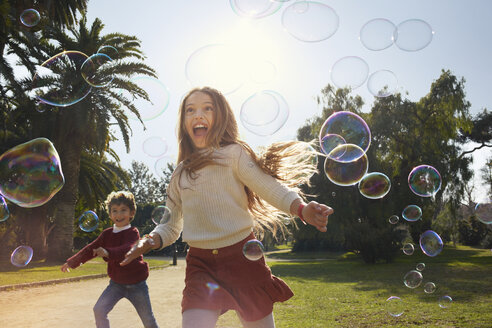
column 147, row 243
column 313, row 213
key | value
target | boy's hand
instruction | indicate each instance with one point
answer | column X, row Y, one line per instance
column 65, row 267
column 141, row 247
column 100, row 252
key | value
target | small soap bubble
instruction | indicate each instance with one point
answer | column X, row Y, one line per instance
column 310, row 21
column 413, row 279
column 330, row 142
column 21, row 256
column 374, row 185
column 429, row 287
column 340, row 130
column 161, row 214
column 264, row 112
column 445, row 301
column 393, row 219
column 110, row 51
column 255, row 9
column 30, row 17
column 431, row 243
column 382, row 83
column 350, row 71
column 97, row 70
column 408, row 249
column 394, row 306
column 253, row 250
column 4, row 210
column 88, row 221
column 155, row 146
column 412, row 213
column 420, row 266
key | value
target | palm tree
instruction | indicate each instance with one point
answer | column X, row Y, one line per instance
column 85, row 125
column 16, row 38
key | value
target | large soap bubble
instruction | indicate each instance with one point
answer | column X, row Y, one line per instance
column 31, row 173
column 424, row 181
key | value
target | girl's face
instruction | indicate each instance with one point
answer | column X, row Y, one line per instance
column 199, row 117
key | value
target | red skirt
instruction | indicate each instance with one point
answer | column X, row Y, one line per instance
column 224, row 279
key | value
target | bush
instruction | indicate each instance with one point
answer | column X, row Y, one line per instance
column 373, row 240
column 471, row 231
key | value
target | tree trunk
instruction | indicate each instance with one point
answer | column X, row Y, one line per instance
column 36, row 226
column 61, row 240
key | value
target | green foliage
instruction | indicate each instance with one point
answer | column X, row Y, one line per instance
column 472, row 231
column 405, row 134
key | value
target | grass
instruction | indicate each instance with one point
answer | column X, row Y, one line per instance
column 40, row 271
column 349, row 293
column 345, row 292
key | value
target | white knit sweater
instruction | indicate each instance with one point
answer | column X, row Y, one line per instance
column 212, row 210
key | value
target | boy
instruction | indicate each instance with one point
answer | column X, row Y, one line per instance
column 112, row 244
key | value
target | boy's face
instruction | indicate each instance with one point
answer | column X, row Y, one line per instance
column 120, row 214
column 199, row 117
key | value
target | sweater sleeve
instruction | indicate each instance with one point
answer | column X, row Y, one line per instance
column 118, row 253
column 85, row 254
column 266, row 186
column 170, row 231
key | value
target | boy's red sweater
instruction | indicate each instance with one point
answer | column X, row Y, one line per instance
column 117, row 245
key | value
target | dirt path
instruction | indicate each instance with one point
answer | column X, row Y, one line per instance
column 70, row 304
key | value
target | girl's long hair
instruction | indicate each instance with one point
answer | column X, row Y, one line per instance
column 291, row 162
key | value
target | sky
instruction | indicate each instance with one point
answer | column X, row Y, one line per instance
column 277, row 53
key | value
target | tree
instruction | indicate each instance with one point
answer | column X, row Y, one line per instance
column 144, row 185
column 85, row 125
column 405, row 134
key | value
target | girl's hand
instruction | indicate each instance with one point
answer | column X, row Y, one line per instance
column 317, row 215
column 100, row 252
column 143, row 246
column 65, row 267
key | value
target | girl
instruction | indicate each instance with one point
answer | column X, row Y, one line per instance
column 216, row 196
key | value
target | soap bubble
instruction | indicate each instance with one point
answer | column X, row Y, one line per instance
column 429, row 287
column 483, row 211
column 30, row 17
column 31, row 173
column 420, row 266
column 4, row 210
column 253, row 250
column 408, row 249
column 394, row 219
column 445, row 301
column 412, row 213
column 394, row 306
column 21, row 256
column 424, row 181
column 431, row 243
column 413, row 279
column 374, row 185
column 88, row 221
column 161, row 214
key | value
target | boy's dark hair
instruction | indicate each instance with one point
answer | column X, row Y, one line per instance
column 120, row 197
